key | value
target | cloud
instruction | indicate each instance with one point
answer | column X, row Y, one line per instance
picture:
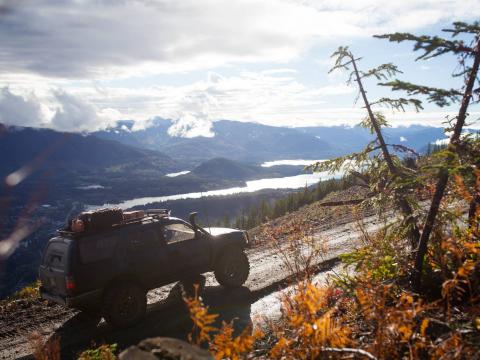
column 194, row 117
column 66, row 113
column 101, row 53
column 189, row 126
column 18, row 110
column 75, row 114
column 269, row 96
column 121, row 38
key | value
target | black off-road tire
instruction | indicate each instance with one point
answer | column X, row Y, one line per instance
column 232, row 268
column 124, row 304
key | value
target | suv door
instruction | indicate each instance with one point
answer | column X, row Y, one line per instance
column 146, row 256
column 188, row 251
column 53, row 268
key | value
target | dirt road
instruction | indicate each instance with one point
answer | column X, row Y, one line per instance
column 166, row 314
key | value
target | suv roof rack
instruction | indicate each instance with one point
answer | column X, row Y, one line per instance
column 164, row 212
column 157, row 213
column 150, row 214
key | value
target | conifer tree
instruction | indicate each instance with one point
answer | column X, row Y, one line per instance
column 226, row 221
column 264, row 211
column 469, row 61
column 380, row 168
column 377, row 153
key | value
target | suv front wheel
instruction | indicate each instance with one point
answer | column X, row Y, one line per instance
column 232, row 268
column 124, row 304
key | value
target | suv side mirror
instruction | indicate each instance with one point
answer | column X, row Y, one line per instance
column 191, row 218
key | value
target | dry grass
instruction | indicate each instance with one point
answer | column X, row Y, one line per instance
column 29, row 292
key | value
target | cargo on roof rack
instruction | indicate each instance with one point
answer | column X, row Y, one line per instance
column 133, row 215
column 99, row 220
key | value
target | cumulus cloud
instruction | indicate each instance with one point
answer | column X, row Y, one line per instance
column 66, row 112
column 75, row 114
column 18, row 110
column 108, row 38
column 195, row 112
column 189, row 126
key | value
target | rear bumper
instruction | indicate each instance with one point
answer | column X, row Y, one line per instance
column 91, row 299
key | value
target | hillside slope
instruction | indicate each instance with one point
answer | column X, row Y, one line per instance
column 317, row 217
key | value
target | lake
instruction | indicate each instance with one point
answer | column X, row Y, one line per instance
column 180, row 173
column 297, row 162
column 289, row 182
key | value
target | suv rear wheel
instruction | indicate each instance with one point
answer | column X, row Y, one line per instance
column 232, row 268
column 124, row 304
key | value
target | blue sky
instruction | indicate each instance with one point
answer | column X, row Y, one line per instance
column 81, row 65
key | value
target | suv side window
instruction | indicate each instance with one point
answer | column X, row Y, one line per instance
column 96, row 248
column 146, row 240
column 177, row 232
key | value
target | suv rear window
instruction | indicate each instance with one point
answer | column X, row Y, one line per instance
column 56, row 255
column 96, row 248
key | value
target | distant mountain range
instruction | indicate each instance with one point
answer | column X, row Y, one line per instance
column 348, row 139
column 247, row 142
column 119, row 154
column 94, row 170
column 73, row 152
column 154, row 151
column 255, row 143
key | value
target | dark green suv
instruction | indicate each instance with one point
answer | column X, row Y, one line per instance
column 109, row 272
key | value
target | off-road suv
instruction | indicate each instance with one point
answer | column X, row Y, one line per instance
column 109, row 272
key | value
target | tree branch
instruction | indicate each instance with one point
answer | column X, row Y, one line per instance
column 431, row 46
column 441, row 97
column 349, row 350
column 399, row 104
